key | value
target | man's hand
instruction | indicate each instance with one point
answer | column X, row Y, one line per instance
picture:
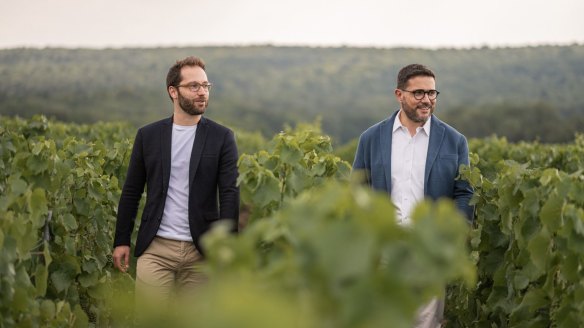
column 122, row 257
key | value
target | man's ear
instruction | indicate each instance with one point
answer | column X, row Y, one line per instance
column 398, row 95
column 172, row 92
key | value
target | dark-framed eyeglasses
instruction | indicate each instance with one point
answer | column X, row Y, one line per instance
column 419, row 93
column 194, row 87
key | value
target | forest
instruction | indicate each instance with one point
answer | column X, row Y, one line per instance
column 523, row 94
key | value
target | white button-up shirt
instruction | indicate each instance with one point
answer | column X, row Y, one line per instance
column 408, row 163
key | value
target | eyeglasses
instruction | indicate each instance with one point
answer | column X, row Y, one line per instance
column 420, row 93
column 194, row 87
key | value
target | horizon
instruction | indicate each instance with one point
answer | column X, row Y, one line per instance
column 451, row 24
column 251, row 45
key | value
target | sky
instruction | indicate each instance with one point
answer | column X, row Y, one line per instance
column 358, row 23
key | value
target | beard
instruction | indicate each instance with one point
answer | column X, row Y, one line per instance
column 192, row 106
column 412, row 113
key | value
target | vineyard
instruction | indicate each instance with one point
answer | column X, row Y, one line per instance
column 316, row 249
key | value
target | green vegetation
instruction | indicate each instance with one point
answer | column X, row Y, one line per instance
column 529, row 240
column 59, row 187
column 295, row 160
column 520, row 93
column 318, row 250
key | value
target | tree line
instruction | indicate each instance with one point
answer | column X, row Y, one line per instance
column 529, row 93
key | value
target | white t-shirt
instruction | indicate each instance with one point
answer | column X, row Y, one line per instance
column 175, row 218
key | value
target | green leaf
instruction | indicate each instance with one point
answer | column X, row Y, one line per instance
column 566, row 314
column 551, row 212
column 89, row 265
column 37, row 165
column 97, row 291
column 41, row 277
column 298, row 181
column 69, row 222
column 80, row 320
column 576, row 243
column 575, row 217
column 520, row 281
column 319, row 169
column 47, row 254
column 17, row 186
column 570, row 267
column 290, row 154
column 81, row 206
column 534, row 299
column 61, row 280
column 95, row 190
column 20, row 300
column 89, row 279
column 342, row 241
column 47, row 310
column 37, row 148
column 538, row 248
column 548, row 176
column 37, row 205
column 268, row 192
column 526, row 227
column 531, row 201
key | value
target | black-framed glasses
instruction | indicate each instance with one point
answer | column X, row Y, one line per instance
column 194, row 87
column 419, row 93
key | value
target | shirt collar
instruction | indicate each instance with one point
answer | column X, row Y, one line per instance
column 397, row 124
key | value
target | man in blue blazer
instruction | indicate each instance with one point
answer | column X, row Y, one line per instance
column 447, row 149
column 189, row 165
column 413, row 155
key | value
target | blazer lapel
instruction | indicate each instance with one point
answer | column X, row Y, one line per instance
column 198, row 146
column 436, row 138
column 166, row 146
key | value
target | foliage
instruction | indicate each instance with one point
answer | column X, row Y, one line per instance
column 260, row 88
column 294, row 161
column 338, row 257
column 325, row 253
column 529, row 237
column 57, row 213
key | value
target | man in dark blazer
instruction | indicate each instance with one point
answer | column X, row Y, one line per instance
column 189, row 165
column 413, row 155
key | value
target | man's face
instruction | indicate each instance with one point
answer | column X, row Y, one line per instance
column 417, row 111
column 193, row 102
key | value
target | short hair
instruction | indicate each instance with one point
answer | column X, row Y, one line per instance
column 174, row 77
column 410, row 71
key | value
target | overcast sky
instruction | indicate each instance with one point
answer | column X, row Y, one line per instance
column 378, row 23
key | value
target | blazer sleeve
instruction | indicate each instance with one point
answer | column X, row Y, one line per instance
column 360, row 171
column 131, row 194
column 462, row 189
column 227, row 181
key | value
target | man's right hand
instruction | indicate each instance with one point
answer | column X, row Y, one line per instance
column 122, row 257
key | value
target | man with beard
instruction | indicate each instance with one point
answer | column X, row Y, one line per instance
column 413, row 155
column 189, row 165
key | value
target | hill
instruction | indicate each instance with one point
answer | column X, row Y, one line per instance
column 483, row 91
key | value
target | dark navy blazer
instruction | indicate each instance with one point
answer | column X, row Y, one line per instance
column 213, row 192
column 447, row 150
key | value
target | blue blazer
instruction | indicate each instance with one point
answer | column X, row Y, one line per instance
column 447, row 150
